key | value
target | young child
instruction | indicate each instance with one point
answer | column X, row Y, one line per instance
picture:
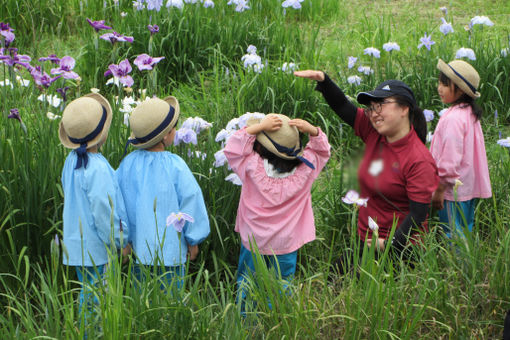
column 458, row 148
column 156, row 183
column 275, row 208
column 89, row 183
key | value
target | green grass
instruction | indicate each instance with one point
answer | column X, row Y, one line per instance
column 455, row 291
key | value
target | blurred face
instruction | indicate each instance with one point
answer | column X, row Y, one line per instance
column 389, row 118
column 448, row 94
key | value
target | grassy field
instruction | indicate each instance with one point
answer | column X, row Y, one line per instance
column 457, row 290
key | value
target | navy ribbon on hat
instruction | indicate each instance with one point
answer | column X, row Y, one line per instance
column 464, row 79
column 154, row 133
column 290, row 152
column 83, row 158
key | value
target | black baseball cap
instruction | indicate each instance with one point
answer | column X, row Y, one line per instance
column 387, row 89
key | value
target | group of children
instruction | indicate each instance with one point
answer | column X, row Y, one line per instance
column 106, row 210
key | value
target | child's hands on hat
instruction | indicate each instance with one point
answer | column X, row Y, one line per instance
column 304, row 127
column 310, row 74
column 192, row 252
column 269, row 123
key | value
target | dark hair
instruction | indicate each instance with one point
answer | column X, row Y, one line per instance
column 464, row 98
column 280, row 164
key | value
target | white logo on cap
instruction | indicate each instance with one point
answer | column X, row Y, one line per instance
column 387, row 88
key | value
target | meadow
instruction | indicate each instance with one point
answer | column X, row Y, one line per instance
column 223, row 59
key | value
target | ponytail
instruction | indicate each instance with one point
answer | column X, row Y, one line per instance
column 416, row 117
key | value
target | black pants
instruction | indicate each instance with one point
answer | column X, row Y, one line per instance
column 506, row 330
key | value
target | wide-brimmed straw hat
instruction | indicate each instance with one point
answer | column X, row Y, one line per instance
column 152, row 120
column 284, row 142
column 85, row 120
column 85, row 123
column 462, row 74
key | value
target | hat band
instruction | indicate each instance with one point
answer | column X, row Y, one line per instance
column 471, row 87
column 154, row 133
column 290, row 152
column 83, row 159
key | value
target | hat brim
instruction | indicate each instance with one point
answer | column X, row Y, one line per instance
column 365, row 98
column 64, row 137
column 172, row 101
column 447, row 70
column 262, row 139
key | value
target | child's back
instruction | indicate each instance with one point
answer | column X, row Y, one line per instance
column 156, row 183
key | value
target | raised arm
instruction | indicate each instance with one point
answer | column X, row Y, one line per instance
column 334, row 96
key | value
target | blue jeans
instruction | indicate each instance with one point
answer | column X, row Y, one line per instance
column 89, row 277
column 457, row 217
column 286, row 264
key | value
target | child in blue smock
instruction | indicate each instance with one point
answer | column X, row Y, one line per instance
column 89, row 183
column 156, row 183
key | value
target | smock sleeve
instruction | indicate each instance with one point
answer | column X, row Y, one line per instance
column 191, row 202
column 317, row 151
column 238, row 150
column 105, row 202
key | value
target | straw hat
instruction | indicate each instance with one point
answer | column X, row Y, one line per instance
column 462, row 74
column 152, row 120
column 85, row 121
column 286, row 136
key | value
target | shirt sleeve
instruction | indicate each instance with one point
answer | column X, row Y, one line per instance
column 451, row 148
column 238, row 150
column 318, row 150
column 102, row 195
column 337, row 100
column 362, row 126
column 421, row 181
column 191, row 202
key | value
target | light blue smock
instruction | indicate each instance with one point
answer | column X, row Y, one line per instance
column 86, row 201
column 163, row 182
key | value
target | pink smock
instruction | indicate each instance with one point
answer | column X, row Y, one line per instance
column 275, row 213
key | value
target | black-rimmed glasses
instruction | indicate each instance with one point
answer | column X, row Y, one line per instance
column 376, row 107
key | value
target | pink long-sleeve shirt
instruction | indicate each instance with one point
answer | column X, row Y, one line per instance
column 458, row 148
column 275, row 213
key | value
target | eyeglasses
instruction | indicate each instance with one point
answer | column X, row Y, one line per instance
column 376, row 107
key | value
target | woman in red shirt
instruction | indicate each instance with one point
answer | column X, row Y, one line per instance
column 397, row 174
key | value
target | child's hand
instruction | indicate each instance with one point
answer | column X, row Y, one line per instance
column 438, row 200
column 269, row 123
column 126, row 253
column 310, row 74
column 192, row 252
column 304, row 126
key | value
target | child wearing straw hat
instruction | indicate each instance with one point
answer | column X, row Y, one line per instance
column 275, row 209
column 156, row 184
column 90, row 187
column 458, row 148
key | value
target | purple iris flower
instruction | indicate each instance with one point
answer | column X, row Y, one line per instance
column 154, row 29
column 186, row 136
column 113, row 37
column 15, row 115
column 66, row 68
column 429, row 115
column 63, row 92
column 6, row 32
column 426, row 41
column 42, row 78
column 146, row 62
column 52, row 57
column 122, row 71
column 178, row 220
column 15, row 58
column 98, row 25
column 154, row 4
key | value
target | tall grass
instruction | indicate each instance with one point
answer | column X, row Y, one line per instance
column 456, row 290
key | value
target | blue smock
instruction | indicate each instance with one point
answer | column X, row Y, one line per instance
column 87, row 193
column 154, row 185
